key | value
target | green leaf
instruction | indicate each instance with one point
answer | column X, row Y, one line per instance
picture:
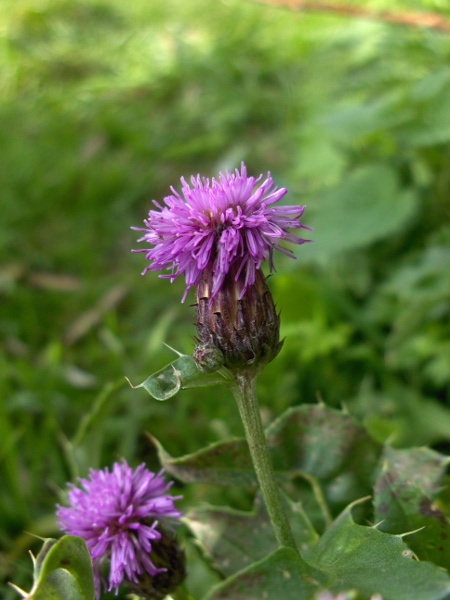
column 431, row 122
column 180, row 374
column 404, row 494
column 319, row 453
column 281, row 575
column 401, row 414
column 350, row 124
column 223, row 463
column 347, row 557
column 63, row 571
column 326, row 444
column 366, row 207
column 235, row 539
column 370, row 561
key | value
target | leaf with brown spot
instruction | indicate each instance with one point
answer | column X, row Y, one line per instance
column 282, row 575
column 404, row 492
column 326, row 448
column 328, row 445
column 374, row 562
column 347, row 557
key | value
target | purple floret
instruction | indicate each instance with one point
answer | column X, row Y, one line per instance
column 218, row 226
column 117, row 514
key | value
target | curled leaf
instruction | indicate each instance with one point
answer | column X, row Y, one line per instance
column 181, row 374
column 62, row 571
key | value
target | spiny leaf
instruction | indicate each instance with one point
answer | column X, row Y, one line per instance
column 370, row 561
column 347, row 557
column 324, row 443
column 404, row 494
column 281, row 575
column 330, row 462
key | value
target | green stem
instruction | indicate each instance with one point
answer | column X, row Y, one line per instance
column 245, row 393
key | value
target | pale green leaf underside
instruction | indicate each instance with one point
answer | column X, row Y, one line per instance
column 181, row 374
column 63, row 571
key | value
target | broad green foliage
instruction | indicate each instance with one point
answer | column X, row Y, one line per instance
column 224, row 463
column 63, row 571
column 405, row 495
column 363, row 558
column 369, row 206
column 348, row 557
column 327, row 446
column 394, row 557
column 281, row 575
column 236, row 539
column 321, row 453
column 104, row 105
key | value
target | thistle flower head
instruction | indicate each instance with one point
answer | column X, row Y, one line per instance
column 216, row 226
column 118, row 513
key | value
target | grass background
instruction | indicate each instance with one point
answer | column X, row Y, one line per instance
column 104, row 105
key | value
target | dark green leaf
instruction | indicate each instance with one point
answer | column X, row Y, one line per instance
column 320, row 455
column 235, row 539
column 328, row 445
column 403, row 501
column 283, row 575
column 366, row 207
column 222, row 463
column 370, row 561
column 347, row 557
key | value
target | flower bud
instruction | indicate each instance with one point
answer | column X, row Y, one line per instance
column 170, row 559
column 245, row 330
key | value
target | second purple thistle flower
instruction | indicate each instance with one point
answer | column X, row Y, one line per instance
column 218, row 226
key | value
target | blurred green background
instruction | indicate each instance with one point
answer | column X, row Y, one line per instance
column 104, row 105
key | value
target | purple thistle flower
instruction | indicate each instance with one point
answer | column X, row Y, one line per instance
column 117, row 513
column 220, row 226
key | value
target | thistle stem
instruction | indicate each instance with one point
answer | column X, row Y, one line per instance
column 245, row 393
